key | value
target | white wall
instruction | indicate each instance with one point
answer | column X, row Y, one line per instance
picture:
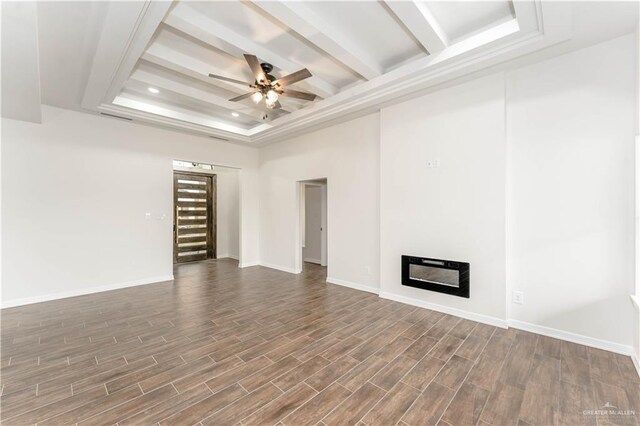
column 455, row 211
column 313, row 212
column 534, row 189
column 228, row 209
column 347, row 155
column 565, row 154
column 75, row 192
column 571, row 197
column 636, row 317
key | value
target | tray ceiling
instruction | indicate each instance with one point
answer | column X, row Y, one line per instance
column 153, row 59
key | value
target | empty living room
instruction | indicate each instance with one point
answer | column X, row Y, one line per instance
column 287, row 213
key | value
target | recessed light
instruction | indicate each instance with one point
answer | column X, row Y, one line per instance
column 153, row 90
column 235, row 114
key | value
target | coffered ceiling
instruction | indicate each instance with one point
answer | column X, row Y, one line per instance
column 152, row 59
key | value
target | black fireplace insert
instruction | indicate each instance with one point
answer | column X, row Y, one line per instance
column 443, row 276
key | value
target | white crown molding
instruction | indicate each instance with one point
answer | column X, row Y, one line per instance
column 83, row 292
column 171, row 123
column 495, row 45
column 130, row 27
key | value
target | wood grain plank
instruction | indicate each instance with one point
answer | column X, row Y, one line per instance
column 355, row 406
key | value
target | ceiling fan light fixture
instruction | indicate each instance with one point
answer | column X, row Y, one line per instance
column 256, row 97
column 272, row 96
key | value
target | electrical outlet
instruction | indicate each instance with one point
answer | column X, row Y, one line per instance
column 518, row 297
column 367, row 270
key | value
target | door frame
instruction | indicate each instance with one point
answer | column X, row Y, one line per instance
column 212, row 225
column 324, row 238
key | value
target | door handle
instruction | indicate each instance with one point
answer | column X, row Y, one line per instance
column 176, row 225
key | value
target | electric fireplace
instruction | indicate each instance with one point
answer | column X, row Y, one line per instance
column 443, row 276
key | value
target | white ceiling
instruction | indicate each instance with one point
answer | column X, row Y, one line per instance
column 104, row 56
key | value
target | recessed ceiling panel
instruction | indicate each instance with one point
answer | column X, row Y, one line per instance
column 462, row 18
column 155, row 57
column 251, row 23
column 372, row 27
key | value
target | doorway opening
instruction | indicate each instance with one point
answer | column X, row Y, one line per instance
column 312, row 245
column 206, row 205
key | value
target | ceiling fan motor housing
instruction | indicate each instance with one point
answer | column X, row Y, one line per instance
column 267, row 68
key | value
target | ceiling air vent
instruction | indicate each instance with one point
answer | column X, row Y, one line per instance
column 220, row 139
column 116, row 116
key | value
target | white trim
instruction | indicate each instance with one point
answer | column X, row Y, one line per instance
column 573, row 337
column 248, row 264
column 279, row 268
column 228, row 256
column 636, row 301
column 485, row 319
column 636, row 362
column 354, row 286
column 310, row 260
column 92, row 290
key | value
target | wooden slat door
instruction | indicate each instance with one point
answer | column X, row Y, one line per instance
column 194, row 224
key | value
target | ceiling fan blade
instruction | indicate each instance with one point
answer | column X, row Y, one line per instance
column 299, row 95
column 256, row 69
column 231, row 80
column 241, row 97
column 292, row 78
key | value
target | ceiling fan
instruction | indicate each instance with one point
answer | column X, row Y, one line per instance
column 267, row 87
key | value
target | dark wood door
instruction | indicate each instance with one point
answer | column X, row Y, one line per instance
column 194, row 223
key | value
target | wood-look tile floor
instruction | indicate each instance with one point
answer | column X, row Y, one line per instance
column 229, row 346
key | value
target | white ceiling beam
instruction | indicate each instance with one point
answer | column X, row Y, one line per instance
column 421, row 23
column 322, row 34
column 128, row 28
column 185, row 19
column 186, row 65
column 169, row 85
column 526, row 14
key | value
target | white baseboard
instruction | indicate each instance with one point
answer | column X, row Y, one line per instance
column 573, row 337
column 308, row 259
column 353, row 285
column 636, row 361
column 83, row 292
column 279, row 268
column 248, row 264
column 227, row 256
column 485, row 319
